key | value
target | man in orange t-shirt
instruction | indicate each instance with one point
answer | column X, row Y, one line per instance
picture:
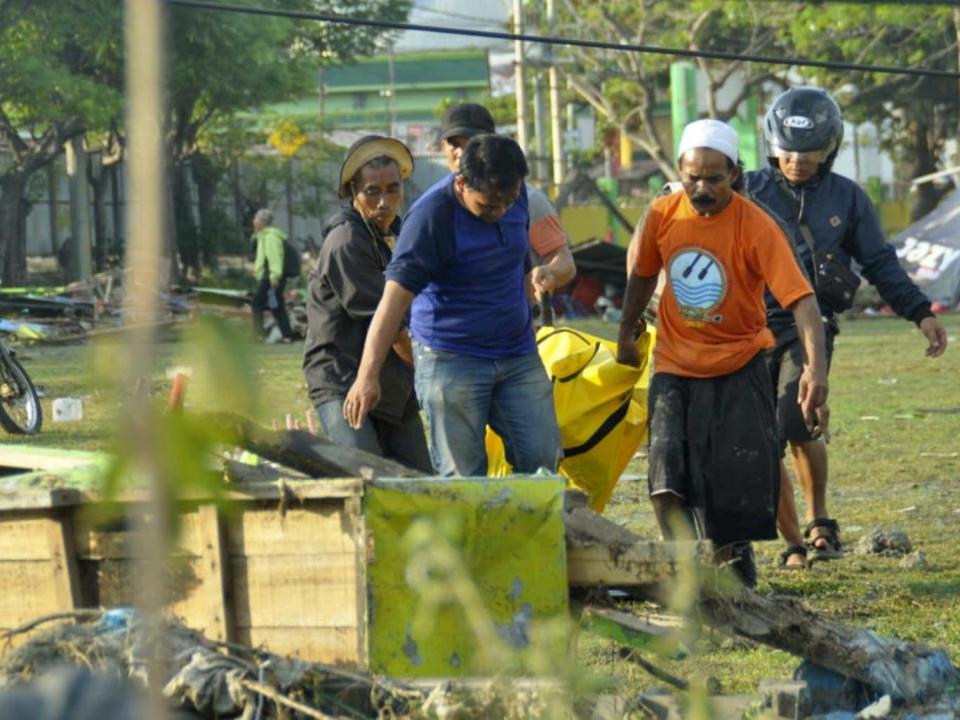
column 714, row 453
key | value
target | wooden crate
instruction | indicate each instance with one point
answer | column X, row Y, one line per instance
column 274, row 570
column 282, row 566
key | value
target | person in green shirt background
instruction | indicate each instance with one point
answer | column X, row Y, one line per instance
column 268, row 269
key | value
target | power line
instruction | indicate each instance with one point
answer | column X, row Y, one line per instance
column 473, row 19
column 551, row 40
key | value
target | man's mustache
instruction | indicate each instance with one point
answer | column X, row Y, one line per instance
column 703, row 200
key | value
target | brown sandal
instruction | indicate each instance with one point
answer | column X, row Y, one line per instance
column 833, row 549
column 793, row 550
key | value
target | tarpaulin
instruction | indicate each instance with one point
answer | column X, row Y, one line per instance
column 929, row 250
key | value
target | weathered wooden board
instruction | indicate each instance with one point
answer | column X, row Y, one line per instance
column 328, row 645
column 642, row 563
column 294, row 591
column 212, row 597
column 29, row 590
column 23, row 536
column 322, row 526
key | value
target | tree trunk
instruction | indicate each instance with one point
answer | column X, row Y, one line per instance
column 13, row 239
column 206, row 177
column 52, row 198
column 116, row 175
column 185, row 228
column 98, row 186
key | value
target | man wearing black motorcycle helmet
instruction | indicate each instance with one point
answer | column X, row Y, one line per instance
column 833, row 224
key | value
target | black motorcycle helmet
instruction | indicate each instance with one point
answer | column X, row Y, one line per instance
column 803, row 119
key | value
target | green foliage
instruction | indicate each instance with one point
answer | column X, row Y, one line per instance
column 60, row 59
column 914, row 115
column 628, row 89
column 224, row 66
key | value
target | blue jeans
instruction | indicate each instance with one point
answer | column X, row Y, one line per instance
column 462, row 394
column 405, row 442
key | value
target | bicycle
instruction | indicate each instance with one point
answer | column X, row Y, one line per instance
column 20, row 411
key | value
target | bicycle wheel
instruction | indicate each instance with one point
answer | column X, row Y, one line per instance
column 19, row 403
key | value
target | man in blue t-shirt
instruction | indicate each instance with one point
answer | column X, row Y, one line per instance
column 462, row 267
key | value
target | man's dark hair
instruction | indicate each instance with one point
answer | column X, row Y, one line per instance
column 493, row 164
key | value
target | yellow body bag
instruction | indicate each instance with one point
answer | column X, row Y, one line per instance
column 601, row 409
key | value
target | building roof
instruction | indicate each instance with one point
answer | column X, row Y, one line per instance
column 421, row 70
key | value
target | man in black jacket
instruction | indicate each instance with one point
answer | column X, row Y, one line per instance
column 344, row 291
column 833, row 223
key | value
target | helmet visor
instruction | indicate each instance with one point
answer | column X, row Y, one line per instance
column 818, row 156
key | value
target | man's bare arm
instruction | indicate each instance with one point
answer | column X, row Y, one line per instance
column 384, row 328
column 639, row 291
column 556, row 271
column 813, row 380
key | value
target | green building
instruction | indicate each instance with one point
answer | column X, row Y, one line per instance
column 402, row 89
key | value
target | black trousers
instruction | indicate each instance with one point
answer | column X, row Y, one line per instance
column 261, row 301
column 713, row 442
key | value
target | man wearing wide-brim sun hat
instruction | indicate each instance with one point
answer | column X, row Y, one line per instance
column 343, row 293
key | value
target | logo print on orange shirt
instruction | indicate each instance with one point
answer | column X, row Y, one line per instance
column 699, row 285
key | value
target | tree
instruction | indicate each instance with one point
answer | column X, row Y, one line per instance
column 914, row 115
column 226, row 63
column 59, row 70
column 626, row 88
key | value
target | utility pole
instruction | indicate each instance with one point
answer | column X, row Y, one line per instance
column 80, row 265
column 392, row 91
column 519, row 76
column 553, row 81
column 540, row 126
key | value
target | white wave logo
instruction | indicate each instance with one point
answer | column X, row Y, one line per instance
column 798, row 122
column 698, row 283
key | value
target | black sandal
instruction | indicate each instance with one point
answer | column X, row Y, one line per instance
column 833, row 549
column 793, row 550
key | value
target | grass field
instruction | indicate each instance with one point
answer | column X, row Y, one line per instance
column 895, row 461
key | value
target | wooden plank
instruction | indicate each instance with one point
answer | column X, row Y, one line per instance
column 322, row 526
column 29, row 590
column 24, row 536
column 213, row 583
column 17, row 500
column 354, row 509
column 643, row 563
column 310, row 454
column 304, row 591
column 63, row 562
column 327, row 645
column 116, row 583
column 96, row 544
column 293, row 490
column 31, row 457
column 645, row 633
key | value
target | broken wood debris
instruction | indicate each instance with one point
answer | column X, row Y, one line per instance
column 909, row 672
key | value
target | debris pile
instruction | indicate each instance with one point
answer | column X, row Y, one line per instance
column 213, row 680
column 73, row 312
column 94, row 307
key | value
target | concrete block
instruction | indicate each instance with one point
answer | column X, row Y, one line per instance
column 67, row 409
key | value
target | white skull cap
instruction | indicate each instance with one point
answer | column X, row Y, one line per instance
column 710, row 133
